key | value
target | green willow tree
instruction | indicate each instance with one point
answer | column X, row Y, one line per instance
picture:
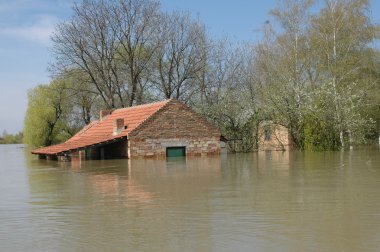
column 47, row 117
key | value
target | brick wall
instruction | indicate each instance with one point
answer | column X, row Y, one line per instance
column 279, row 138
column 174, row 125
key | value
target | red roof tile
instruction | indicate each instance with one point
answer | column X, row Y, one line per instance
column 101, row 132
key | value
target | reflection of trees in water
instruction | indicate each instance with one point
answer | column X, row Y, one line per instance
column 309, row 198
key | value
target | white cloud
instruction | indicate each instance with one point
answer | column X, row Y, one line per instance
column 38, row 31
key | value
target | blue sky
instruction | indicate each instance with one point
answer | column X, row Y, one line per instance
column 26, row 26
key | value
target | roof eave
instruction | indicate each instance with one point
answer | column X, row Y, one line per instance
column 68, row 151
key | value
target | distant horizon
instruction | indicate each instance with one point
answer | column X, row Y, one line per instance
column 26, row 27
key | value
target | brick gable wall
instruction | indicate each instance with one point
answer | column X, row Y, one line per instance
column 280, row 139
column 174, row 125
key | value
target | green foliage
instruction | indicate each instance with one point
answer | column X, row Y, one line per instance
column 11, row 139
column 318, row 75
column 319, row 134
column 46, row 121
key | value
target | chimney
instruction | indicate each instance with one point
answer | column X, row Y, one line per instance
column 104, row 113
column 118, row 126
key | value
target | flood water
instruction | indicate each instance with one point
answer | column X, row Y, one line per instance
column 269, row 201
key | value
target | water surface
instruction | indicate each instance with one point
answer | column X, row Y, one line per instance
column 268, row 201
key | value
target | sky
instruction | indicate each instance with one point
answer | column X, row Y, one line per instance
column 26, row 27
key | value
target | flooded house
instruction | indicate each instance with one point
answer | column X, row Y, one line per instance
column 274, row 137
column 163, row 129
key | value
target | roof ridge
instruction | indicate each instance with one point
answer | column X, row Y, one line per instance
column 150, row 116
column 143, row 105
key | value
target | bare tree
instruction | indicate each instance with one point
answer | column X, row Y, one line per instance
column 179, row 57
column 111, row 42
column 86, row 42
column 226, row 93
column 135, row 23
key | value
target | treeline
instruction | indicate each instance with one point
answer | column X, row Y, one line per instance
column 317, row 73
column 7, row 138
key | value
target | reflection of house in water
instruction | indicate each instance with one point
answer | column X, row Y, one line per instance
column 274, row 143
column 113, row 189
column 146, row 182
column 274, row 137
column 274, row 160
column 162, row 199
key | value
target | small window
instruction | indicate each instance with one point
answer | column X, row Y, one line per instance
column 267, row 134
column 176, row 151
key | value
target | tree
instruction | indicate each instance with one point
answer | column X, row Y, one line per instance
column 316, row 72
column 82, row 94
column 136, row 27
column 87, row 43
column 281, row 66
column 225, row 98
column 10, row 138
column 341, row 34
column 46, row 117
column 110, row 42
column 179, row 57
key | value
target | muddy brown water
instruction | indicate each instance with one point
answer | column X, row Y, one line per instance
column 269, row 201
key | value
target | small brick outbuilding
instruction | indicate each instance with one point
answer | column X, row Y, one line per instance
column 274, row 137
column 161, row 129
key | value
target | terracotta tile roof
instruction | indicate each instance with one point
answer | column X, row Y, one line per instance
column 101, row 132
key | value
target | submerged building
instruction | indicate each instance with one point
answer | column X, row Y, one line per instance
column 274, row 137
column 162, row 129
